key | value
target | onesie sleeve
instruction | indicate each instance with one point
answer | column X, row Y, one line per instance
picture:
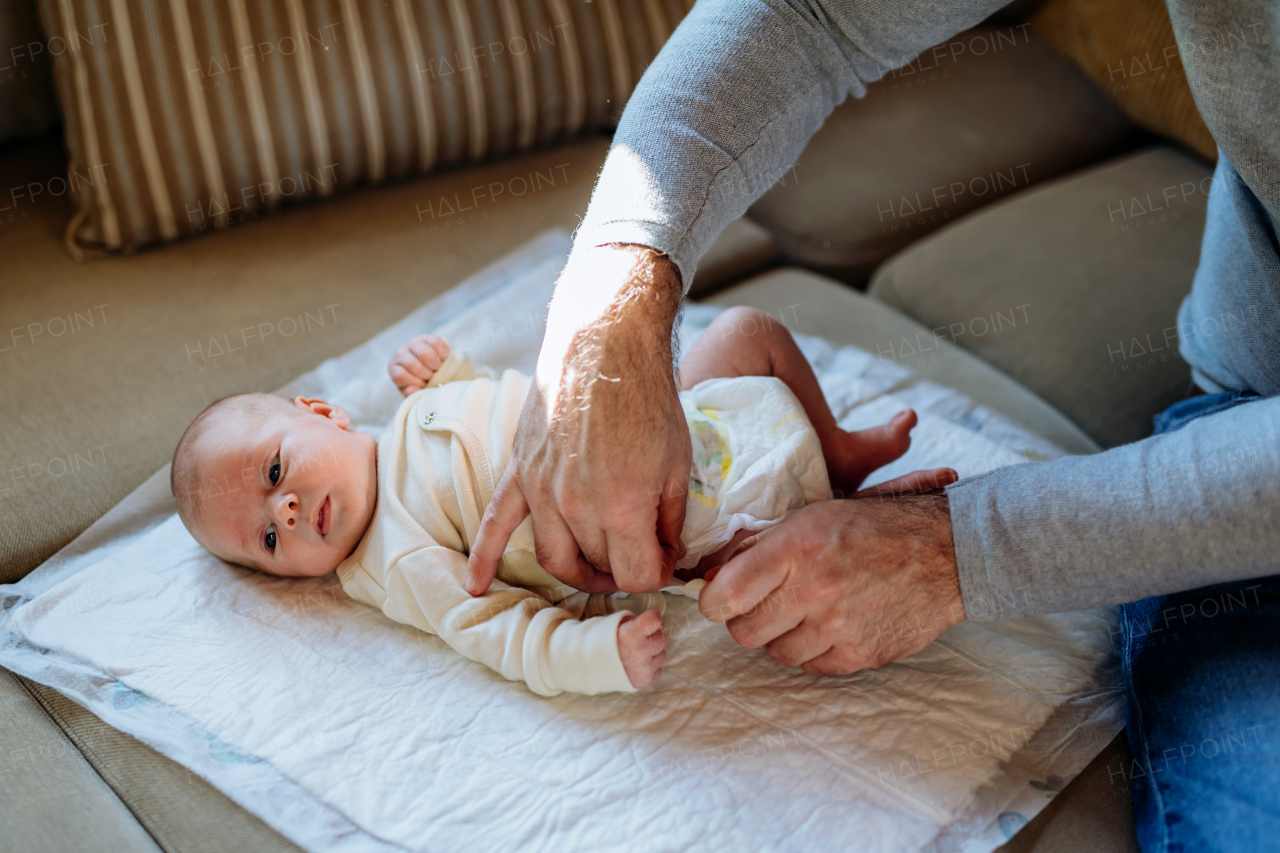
column 508, row 629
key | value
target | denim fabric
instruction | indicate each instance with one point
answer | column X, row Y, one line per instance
column 1202, row 670
column 1185, row 411
column 1229, row 325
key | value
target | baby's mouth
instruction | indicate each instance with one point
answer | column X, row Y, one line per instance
column 326, row 515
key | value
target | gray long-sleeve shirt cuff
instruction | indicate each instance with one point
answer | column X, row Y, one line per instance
column 1176, row 511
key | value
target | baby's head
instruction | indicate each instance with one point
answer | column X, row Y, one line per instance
column 282, row 486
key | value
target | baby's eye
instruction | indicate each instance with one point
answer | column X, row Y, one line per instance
column 274, row 473
column 270, row 538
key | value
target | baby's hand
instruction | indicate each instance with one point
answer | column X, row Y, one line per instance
column 643, row 647
column 414, row 364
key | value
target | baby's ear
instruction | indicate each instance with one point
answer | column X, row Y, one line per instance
column 316, row 406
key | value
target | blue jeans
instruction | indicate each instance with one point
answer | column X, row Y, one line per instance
column 1202, row 669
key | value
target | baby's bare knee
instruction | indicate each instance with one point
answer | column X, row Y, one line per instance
column 748, row 322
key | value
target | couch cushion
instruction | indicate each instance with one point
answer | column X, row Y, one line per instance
column 1093, row 813
column 965, row 123
column 53, row 800
column 814, row 305
column 179, row 810
column 194, row 114
column 744, row 247
column 1071, row 288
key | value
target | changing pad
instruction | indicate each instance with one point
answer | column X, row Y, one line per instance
column 346, row 731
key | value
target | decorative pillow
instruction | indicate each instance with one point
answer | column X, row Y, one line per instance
column 1129, row 49
column 27, row 105
column 185, row 116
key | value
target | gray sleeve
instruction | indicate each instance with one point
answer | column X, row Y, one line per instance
column 1177, row 511
column 731, row 100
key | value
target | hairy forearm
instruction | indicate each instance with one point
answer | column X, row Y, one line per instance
column 921, row 524
column 1173, row 512
column 611, row 321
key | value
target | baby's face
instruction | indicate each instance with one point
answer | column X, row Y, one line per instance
column 298, row 489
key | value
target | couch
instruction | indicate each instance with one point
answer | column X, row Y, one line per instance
column 1050, row 296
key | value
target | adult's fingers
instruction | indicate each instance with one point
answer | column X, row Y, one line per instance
column 916, row 481
column 801, row 644
column 838, row 661
column 636, row 558
column 775, row 616
column 746, row 580
column 671, row 508
column 506, row 510
column 559, row 554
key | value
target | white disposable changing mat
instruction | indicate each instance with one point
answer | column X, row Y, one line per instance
column 346, row 731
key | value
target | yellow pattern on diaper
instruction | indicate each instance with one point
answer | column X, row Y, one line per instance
column 786, row 420
column 712, row 457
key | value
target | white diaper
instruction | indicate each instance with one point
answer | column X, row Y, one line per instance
column 756, row 458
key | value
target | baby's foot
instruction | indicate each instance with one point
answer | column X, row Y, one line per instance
column 853, row 456
column 642, row 645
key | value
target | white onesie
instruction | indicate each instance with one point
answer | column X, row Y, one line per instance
column 755, row 459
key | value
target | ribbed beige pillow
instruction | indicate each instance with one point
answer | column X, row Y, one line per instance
column 185, row 116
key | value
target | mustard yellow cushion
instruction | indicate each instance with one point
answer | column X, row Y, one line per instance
column 1129, row 49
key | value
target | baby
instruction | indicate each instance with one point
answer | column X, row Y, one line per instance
column 287, row 488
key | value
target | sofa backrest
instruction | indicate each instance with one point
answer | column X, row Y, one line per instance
column 185, row 116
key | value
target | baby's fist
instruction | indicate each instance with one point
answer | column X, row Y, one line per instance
column 414, row 364
column 643, row 647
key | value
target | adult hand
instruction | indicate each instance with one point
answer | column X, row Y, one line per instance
column 843, row 585
column 602, row 452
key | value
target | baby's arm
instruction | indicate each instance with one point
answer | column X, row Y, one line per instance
column 749, row 342
column 520, row 634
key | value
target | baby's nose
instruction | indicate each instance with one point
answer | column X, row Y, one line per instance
column 287, row 510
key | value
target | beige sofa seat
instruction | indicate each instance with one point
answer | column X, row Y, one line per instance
column 152, row 803
column 1072, row 288
column 53, row 800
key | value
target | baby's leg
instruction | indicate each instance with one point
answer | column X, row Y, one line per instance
column 749, row 342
